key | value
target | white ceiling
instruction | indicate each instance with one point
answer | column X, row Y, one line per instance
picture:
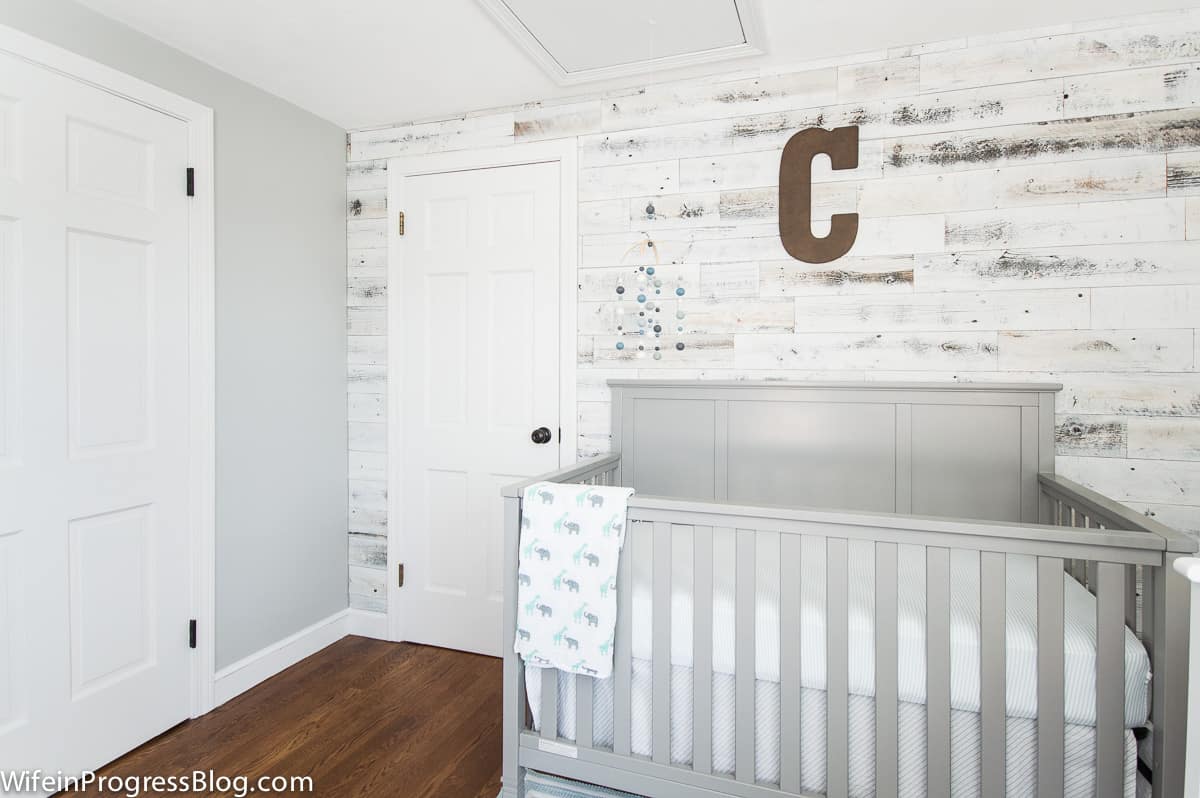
column 374, row 62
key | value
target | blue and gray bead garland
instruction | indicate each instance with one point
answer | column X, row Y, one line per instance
column 647, row 308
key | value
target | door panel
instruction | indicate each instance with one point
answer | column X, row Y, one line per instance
column 94, row 382
column 480, row 371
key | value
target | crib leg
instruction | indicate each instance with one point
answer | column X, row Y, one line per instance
column 1172, row 611
column 512, row 774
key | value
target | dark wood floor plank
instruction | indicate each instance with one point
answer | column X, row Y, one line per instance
column 362, row 717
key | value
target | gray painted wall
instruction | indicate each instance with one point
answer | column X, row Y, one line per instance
column 281, row 346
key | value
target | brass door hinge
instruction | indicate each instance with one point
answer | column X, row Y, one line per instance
column 401, row 580
column 400, row 223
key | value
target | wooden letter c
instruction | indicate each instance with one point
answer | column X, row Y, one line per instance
column 795, row 194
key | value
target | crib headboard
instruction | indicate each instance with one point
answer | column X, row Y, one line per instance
column 946, row 449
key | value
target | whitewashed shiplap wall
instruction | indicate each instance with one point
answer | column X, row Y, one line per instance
column 1030, row 210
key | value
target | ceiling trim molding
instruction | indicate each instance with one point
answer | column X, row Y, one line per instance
column 511, row 23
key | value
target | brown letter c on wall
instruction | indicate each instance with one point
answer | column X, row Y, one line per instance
column 795, row 194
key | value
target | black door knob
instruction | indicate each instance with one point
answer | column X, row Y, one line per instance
column 541, row 435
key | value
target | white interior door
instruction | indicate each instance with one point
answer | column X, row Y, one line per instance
column 479, row 361
column 94, row 557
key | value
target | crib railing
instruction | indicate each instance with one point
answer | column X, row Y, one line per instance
column 1108, row 551
column 1156, row 605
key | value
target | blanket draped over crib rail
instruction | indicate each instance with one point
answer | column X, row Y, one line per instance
column 571, row 537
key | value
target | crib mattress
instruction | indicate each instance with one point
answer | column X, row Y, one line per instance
column 1021, row 633
column 966, row 748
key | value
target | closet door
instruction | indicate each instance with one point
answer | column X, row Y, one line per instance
column 479, row 388
column 94, row 574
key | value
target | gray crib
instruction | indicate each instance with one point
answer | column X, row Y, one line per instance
column 730, row 475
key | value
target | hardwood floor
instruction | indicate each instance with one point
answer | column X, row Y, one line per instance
column 362, row 718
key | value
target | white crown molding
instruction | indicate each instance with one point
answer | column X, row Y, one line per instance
column 747, row 13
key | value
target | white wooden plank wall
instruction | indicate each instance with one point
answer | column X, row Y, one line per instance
column 1030, row 209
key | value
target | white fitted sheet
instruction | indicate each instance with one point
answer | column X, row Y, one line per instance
column 966, row 749
column 1021, row 635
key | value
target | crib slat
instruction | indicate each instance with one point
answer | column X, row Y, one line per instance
column 937, row 671
column 837, row 659
column 583, row 711
column 550, row 703
column 992, row 650
column 1110, row 680
column 661, row 633
column 887, row 729
column 744, row 667
column 622, row 647
column 1131, row 597
column 702, row 630
column 789, row 662
column 1050, row 676
column 1146, row 627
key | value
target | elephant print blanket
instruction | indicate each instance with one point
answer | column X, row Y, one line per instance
column 571, row 538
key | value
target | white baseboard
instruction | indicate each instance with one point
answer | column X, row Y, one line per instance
column 366, row 623
column 262, row 665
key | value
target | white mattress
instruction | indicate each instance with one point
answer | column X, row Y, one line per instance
column 1021, row 663
column 1021, row 763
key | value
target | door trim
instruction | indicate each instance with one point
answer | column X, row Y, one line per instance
column 561, row 151
column 201, row 310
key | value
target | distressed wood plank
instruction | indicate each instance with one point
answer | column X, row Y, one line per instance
column 632, row 180
column 762, row 204
column 671, row 103
column 366, row 378
column 866, row 351
column 1192, row 218
column 1183, row 174
column 366, row 288
column 1185, row 518
column 1156, row 89
column 603, row 216
column 368, row 551
column 366, row 203
column 1061, row 267
column 367, row 465
column 486, row 130
column 1068, row 54
column 600, row 283
column 373, row 259
column 1091, row 436
column 366, row 234
column 367, row 437
column 704, row 316
column 895, row 77
column 1164, row 439
column 729, row 280
column 366, row 321
column 1147, row 481
column 538, row 122
column 368, row 350
column 1097, row 350
column 368, row 588
column 882, row 274
column 674, row 210
column 1146, row 307
column 991, row 310
column 761, row 169
column 1150, row 395
column 699, row 350
column 1065, row 225
column 1069, row 139
column 366, row 175
column 366, row 407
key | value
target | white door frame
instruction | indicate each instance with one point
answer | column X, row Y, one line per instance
column 561, row 151
column 201, row 310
